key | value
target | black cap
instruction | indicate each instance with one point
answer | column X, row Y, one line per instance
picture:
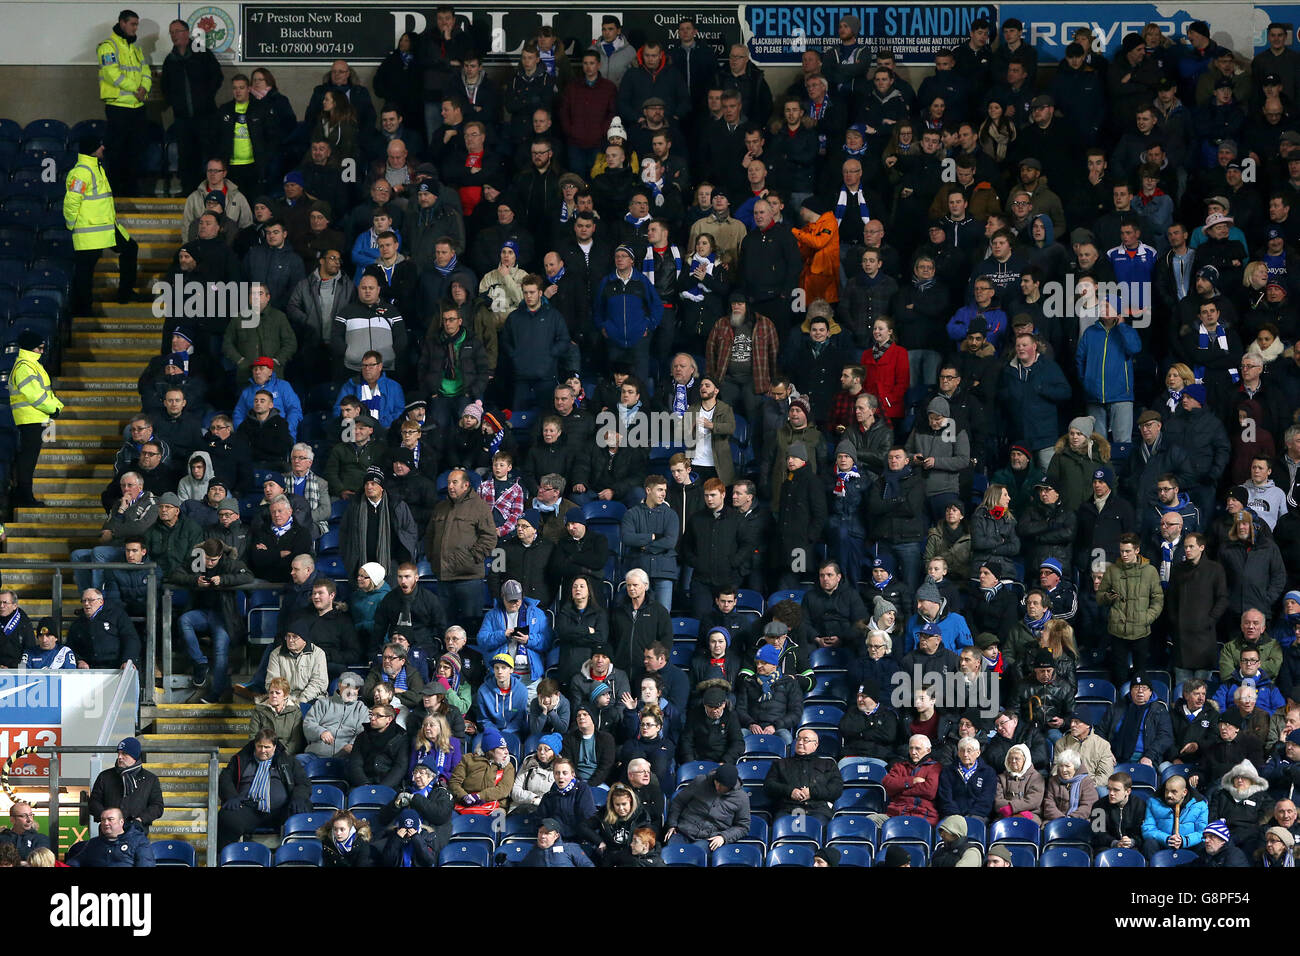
column 1044, row 658
column 1139, row 679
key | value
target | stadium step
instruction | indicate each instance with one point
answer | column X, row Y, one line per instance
column 49, row 469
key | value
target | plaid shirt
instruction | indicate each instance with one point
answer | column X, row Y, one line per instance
column 717, row 352
column 841, row 410
column 505, row 510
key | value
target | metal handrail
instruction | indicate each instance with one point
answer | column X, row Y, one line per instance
column 214, row 772
column 150, row 611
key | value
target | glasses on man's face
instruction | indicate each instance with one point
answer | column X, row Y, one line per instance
column 334, row 258
column 391, row 657
column 372, row 364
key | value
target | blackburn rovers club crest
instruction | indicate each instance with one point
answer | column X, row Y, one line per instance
column 218, row 28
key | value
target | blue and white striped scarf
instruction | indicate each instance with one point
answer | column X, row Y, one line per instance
column 260, row 789
column 842, row 204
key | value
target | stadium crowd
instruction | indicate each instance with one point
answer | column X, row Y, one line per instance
column 913, row 503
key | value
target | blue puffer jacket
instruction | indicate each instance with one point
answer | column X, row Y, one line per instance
column 1159, row 824
column 1105, row 361
column 492, row 634
column 967, row 798
column 953, row 630
column 1269, row 700
column 286, row 402
column 627, row 311
column 391, row 402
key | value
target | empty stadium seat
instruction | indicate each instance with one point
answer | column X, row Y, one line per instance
column 326, row 797
column 692, row 769
column 765, row 745
column 1118, row 857
column 679, row 853
column 299, row 853
column 244, row 854
column 791, row 854
column 1017, row 831
column 736, row 854
column 173, row 853
column 1068, row 831
column 1144, row 777
column 1063, row 856
column 370, row 797
column 465, row 853
column 852, row 828
column 1164, row 858
column 303, row 826
column 797, row 828
column 473, row 826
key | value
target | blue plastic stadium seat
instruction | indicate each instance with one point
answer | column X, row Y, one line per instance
column 737, row 854
column 770, row 744
column 1016, row 830
column 685, row 627
column 244, row 854
column 791, row 854
column 1117, row 857
column 303, row 826
column 913, row 830
column 1144, row 777
column 299, row 853
column 753, row 771
column 749, row 601
column 821, row 717
column 1095, row 690
column 800, row 828
column 677, row 853
column 1165, row 858
column 1065, row 856
column 173, row 853
column 852, row 829
column 327, row 797
column 465, row 853
column 370, row 797
column 472, row 826
column 692, row 769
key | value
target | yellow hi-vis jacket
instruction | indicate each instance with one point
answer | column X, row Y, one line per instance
column 30, row 397
column 88, row 210
column 122, row 71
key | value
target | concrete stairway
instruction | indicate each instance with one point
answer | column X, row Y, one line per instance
column 184, row 776
column 101, row 366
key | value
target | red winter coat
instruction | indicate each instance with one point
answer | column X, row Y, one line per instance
column 907, row 799
column 887, row 380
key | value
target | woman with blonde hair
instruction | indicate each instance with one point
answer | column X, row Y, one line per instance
column 1177, row 379
column 435, row 747
column 623, row 816
column 993, row 527
column 41, row 856
column 345, row 841
column 1058, row 637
